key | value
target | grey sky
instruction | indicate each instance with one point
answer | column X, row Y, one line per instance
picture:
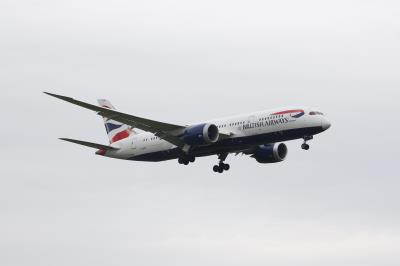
column 183, row 61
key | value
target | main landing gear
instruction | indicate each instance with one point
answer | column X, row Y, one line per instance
column 221, row 167
column 305, row 146
column 186, row 160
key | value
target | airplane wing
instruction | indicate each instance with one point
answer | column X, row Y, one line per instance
column 90, row 144
column 165, row 131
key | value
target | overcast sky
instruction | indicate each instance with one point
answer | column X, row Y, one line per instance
column 183, row 61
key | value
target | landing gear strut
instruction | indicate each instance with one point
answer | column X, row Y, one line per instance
column 305, row 146
column 221, row 167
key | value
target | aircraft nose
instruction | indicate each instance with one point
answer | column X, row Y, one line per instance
column 325, row 124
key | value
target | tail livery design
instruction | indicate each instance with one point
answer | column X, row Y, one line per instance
column 115, row 130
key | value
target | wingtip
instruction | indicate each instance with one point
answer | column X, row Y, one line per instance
column 61, row 97
column 51, row 94
column 48, row 93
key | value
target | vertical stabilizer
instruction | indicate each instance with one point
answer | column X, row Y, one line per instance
column 115, row 130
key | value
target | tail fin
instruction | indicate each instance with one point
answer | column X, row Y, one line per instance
column 115, row 130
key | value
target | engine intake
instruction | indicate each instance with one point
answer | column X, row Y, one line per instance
column 270, row 153
column 201, row 134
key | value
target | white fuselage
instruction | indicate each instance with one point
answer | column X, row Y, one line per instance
column 248, row 129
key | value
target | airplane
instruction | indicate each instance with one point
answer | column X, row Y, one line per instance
column 259, row 135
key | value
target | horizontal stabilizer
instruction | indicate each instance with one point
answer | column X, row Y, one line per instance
column 90, row 144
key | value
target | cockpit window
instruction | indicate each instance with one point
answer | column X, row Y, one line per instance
column 316, row 113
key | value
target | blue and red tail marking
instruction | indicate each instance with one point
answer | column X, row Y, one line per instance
column 115, row 130
column 111, row 126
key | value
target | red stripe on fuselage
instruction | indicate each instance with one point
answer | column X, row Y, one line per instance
column 121, row 135
column 289, row 112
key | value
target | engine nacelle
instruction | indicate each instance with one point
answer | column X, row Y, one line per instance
column 270, row 153
column 201, row 134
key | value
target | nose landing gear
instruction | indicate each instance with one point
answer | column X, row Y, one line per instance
column 221, row 167
column 305, row 146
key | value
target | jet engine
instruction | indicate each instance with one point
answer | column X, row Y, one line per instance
column 201, row 134
column 270, row 153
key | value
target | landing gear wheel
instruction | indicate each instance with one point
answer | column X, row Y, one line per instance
column 305, row 146
column 221, row 167
column 216, row 168
column 226, row 167
column 183, row 161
